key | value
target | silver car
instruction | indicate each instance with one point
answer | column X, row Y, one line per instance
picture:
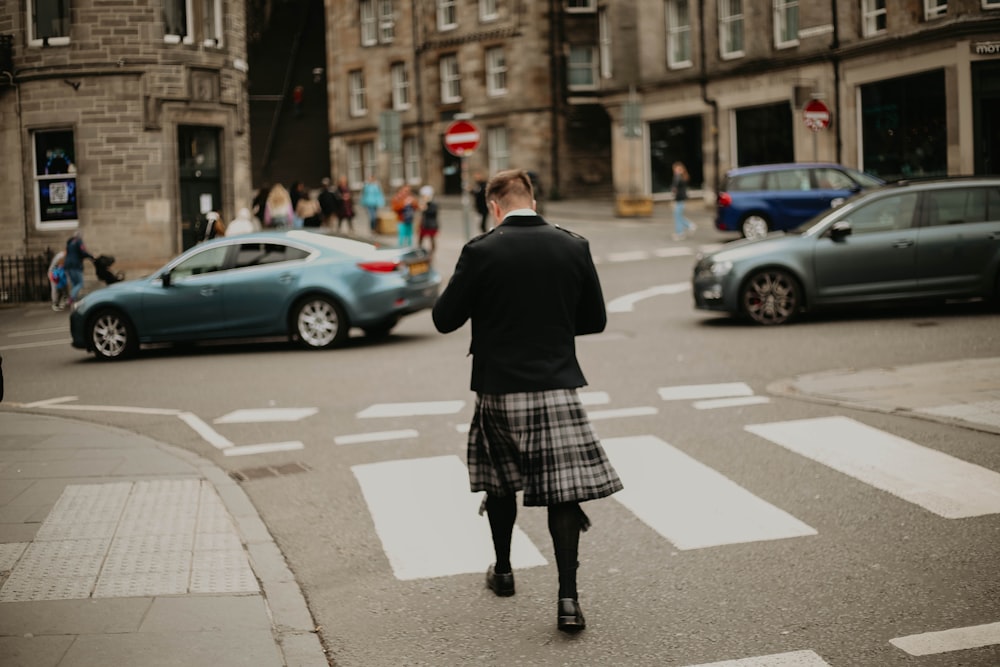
column 935, row 239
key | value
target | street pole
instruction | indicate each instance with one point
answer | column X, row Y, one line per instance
column 466, row 218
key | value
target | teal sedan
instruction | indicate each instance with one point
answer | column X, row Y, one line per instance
column 308, row 286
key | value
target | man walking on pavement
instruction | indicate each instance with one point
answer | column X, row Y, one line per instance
column 529, row 288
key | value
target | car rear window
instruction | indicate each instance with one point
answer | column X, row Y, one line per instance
column 745, row 182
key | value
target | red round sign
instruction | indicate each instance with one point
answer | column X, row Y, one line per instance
column 816, row 115
column 461, row 138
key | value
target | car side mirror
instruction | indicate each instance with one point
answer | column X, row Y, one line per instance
column 840, row 229
column 165, row 278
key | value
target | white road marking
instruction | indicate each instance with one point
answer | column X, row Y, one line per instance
column 49, row 402
column 674, row 251
column 621, row 412
column 411, row 409
column 629, row 256
column 462, row 428
column 37, row 332
column 253, row 416
column 730, row 402
column 204, row 430
column 626, row 303
column 381, row 436
column 695, row 391
column 689, row 503
column 956, row 639
column 793, row 659
column 266, row 448
column 41, row 343
column 127, row 409
column 942, row 484
column 593, row 397
column 429, row 523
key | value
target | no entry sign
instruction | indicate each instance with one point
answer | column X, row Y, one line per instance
column 816, row 115
column 461, row 138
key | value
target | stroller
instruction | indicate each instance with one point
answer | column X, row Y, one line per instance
column 102, row 265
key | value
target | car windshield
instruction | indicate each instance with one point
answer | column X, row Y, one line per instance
column 816, row 224
column 866, row 180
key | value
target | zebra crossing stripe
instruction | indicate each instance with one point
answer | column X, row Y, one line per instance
column 698, row 391
column 429, row 522
column 956, row 639
column 689, row 503
column 793, row 659
column 411, row 409
column 939, row 483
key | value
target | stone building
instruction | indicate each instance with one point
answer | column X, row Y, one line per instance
column 126, row 121
column 911, row 88
column 400, row 71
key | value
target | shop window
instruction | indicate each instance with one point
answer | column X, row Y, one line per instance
column 764, row 134
column 730, row 29
column 873, row 17
column 55, row 179
column 49, row 22
column 678, row 33
column 904, row 127
column 675, row 140
column 786, row 23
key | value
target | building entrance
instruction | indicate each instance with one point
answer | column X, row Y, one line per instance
column 200, row 180
column 986, row 109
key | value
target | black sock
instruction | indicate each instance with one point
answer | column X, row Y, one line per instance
column 502, row 511
column 565, row 524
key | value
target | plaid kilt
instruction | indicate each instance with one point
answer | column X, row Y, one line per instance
column 539, row 442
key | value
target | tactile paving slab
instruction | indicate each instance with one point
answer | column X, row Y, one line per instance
column 127, row 539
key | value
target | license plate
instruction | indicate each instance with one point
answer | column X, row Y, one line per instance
column 418, row 268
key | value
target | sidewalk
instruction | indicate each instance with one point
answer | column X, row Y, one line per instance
column 965, row 392
column 119, row 550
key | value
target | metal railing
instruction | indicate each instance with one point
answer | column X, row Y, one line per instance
column 25, row 279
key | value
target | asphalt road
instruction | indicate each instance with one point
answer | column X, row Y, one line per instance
column 849, row 567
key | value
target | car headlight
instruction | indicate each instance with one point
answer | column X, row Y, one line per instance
column 714, row 269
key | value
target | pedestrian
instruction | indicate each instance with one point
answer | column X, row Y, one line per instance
column 479, row 192
column 241, row 224
column 529, row 288
column 346, row 210
column 214, row 227
column 259, row 202
column 329, row 202
column 278, row 211
column 308, row 210
column 428, row 218
column 680, row 189
column 76, row 252
column 296, row 193
column 372, row 199
column 58, row 281
column 405, row 206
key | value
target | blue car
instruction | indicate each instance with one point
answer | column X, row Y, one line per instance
column 780, row 197
column 305, row 285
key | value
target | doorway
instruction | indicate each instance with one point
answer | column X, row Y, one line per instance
column 200, row 178
column 986, row 109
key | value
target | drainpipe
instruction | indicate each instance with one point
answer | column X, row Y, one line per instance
column 555, row 47
column 835, row 61
column 703, row 81
column 418, row 85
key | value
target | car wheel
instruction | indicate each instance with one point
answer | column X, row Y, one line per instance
column 771, row 297
column 319, row 323
column 754, row 226
column 112, row 335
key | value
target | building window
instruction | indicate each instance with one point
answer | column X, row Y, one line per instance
column 731, row 28
column 396, row 169
column 451, row 89
column 177, row 21
column 446, row 17
column 873, row 16
column 386, row 22
column 582, row 74
column 496, row 146
column 369, row 32
column 786, row 23
column 934, row 9
column 55, row 179
column 604, row 40
column 411, row 156
column 359, row 100
column 49, row 22
column 581, row 5
column 496, row 72
column 355, row 173
column 400, row 87
column 991, row 4
column 370, row 162
column 678, row 33
column 211, row 23
column 488, row 10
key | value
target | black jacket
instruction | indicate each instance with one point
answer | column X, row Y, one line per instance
column 529, row 288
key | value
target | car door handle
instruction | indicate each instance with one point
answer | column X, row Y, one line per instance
column 285, row 278
column 904, row 243
column 208, row 291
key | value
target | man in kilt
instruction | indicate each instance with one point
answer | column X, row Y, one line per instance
column 529, row 288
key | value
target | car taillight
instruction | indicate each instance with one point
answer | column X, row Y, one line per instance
column 382, row 266
column 724, row 199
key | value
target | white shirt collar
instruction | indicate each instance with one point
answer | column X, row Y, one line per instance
column 521, row 211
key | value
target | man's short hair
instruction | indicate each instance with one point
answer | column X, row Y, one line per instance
column 511, row 184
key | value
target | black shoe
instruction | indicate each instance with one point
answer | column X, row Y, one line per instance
column 570, row 615
column 501, row 583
